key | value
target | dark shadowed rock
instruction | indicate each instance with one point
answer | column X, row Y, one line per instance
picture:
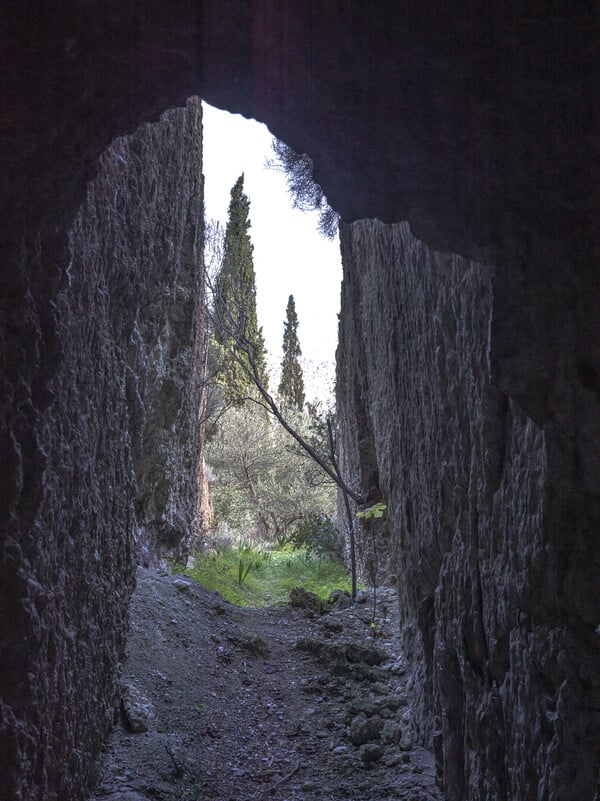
column 368, row 654
column 370, row 752
column 110, row 466
column 364, row 729
column 303, row 599
column 485, row 530
column 477, row 412
column 339, row 599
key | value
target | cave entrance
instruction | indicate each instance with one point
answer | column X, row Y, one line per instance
column 266, row 251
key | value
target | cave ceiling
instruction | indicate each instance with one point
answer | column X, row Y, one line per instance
column 472, row 122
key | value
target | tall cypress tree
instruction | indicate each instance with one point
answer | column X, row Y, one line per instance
column 291, row 386
column 235, row 302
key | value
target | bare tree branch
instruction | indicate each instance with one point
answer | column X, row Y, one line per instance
column 244, row 346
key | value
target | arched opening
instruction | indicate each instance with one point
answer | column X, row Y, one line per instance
column 475, row 128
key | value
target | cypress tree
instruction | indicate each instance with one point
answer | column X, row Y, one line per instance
column 291, row 386
column 235, row 302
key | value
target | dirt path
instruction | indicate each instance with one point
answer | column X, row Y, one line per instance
column 245, row 705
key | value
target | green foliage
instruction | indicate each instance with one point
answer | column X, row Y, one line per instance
column 243, row 570
column 281, row 540
column 319, row 534
column 263, row 488
column 272, row 575
column 291, row 385
column 319, row 420
column 373, row 512
column 234, row 310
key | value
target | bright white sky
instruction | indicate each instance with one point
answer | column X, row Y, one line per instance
column 290, row 256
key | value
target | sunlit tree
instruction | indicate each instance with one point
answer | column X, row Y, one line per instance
column 234, row 312
column 263, row 487
column 291, row 385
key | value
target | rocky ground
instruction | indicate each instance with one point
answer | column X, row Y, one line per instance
column 221, row 703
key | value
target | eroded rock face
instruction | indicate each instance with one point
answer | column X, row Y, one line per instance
column 140, row 231
column 469, row 122
column 485, row 537
column 475, row 126
column 116, row 440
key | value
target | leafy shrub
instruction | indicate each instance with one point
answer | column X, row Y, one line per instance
column 261, row 485
column 319, row 534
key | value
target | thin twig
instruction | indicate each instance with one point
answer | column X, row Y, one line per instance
column 287, row 777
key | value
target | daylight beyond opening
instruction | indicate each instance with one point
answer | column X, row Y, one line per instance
column 291, row 257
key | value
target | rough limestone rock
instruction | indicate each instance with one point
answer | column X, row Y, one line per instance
column 303, row 599
column 102, row 463
column 472, row 121
column 370, row 752
column 136, row 709
column 492, row 545
column 140, row 235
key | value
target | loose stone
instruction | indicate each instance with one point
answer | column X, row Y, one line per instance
column 370, row 752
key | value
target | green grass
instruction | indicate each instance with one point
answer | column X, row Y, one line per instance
column 271, row 575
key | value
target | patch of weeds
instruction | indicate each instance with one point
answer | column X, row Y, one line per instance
column 243, row 570
column 255, row 576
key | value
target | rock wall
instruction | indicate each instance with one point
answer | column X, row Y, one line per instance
column 475, row 123
column 102, row 461
column 492, row 540
column 469, row 121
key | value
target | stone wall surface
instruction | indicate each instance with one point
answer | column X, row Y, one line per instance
column 470, row 122
column 103, row 462
column 493, row 546
column 473, row 122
